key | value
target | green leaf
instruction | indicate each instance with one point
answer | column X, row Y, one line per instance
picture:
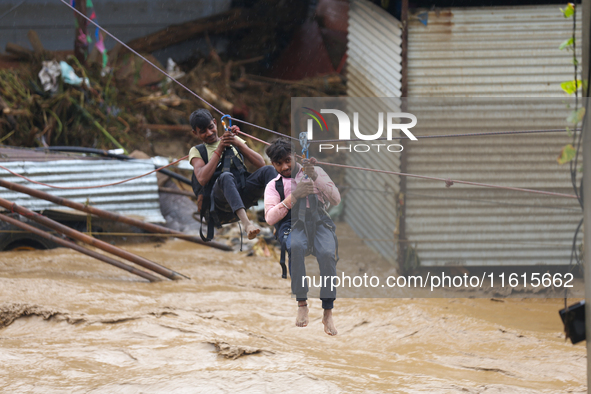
column 567, row 154
column 570, row 87
column 569, row 10
column 569, row 131
column 574, row 61
column 576, row 116
column 567, row 43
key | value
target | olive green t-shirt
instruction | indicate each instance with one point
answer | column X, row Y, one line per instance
column 211, row 148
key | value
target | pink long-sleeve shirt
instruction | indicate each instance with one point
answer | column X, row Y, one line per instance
column 324, row 188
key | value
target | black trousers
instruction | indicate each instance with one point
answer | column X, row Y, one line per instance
column 230, row 196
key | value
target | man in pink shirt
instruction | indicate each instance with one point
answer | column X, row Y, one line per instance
column 295, row 204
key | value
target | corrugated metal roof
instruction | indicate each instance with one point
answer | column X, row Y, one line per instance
column 373, row 70
column 27, row 154
column 138, row 197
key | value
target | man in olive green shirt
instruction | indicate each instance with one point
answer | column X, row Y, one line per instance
column 228, row 192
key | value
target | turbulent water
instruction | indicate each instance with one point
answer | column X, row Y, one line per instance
column 72, row 324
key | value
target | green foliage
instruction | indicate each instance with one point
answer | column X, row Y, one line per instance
column 571, row 86
column 567, row 154
column 567, row 44
column 569, row 10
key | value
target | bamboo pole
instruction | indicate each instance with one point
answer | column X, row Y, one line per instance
column 166, row 272
column 78, row 248
column 153, row 228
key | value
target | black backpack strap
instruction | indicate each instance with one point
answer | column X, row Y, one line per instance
column 282, row 259
column 207, row 199
column 315, row 219
column 203, row 237
column 282, row 237
column 301, row 207
column 214, row 221
column 209, row 212
column 241, row 170
column 231, row 158
column 279, row 188
column 203, row 152
column 195, row 185
column 227, row 160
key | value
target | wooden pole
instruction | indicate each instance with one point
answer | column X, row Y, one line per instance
column 222, row 23
column 81, row 47
column 78, row 248
column 586, row 192
column 404, row 49
column 153, row 228
column 166, row 272
column 402, row 245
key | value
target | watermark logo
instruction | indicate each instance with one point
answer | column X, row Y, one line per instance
column 390, row 119
column 314, row 116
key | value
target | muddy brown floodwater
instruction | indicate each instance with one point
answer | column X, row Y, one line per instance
column 69, row 324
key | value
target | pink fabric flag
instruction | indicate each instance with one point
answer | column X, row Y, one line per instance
column 100, row 44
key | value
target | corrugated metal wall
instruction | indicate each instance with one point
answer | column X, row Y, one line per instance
column 373, row 70
column 138, row 197
column 492, row 51
column 498, row 52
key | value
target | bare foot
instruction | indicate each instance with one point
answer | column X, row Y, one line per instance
column 329, row 326
column 302, row 318
column 252, row 231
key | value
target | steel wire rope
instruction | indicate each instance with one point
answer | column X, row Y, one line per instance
column 261, row 127
column 12, row 9
column 452, row 135
column 448, row 182
column 165, row 73
column 91, row 187
column 474, row 200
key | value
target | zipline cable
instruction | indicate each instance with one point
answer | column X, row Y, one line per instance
column 140, row 56
column 453, row 135
column 448, row 182
column 91, row 187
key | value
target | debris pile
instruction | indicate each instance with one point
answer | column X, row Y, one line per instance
column 52, row 99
